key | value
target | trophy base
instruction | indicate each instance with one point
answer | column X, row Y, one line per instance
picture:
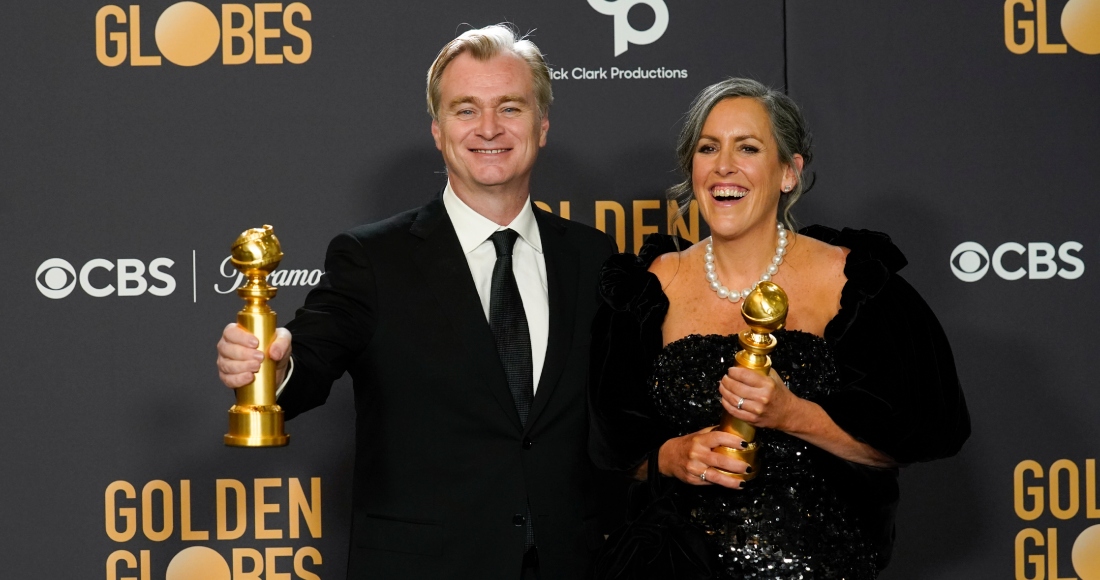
column 256, row 426
column 748, row 455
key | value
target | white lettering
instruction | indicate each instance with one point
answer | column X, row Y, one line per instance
column 131, row 270
column 1000, row 252
column 156, row 273
column 86, row 284
column 1065, row 255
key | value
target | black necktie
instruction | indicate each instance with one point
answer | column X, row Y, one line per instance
column 508, row 322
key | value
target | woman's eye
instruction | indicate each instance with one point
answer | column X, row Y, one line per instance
column 749, row 149
column 706, row 149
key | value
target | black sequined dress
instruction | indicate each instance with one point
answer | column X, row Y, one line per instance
column 808, row 514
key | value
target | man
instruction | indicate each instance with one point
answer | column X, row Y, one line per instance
column 465, row 326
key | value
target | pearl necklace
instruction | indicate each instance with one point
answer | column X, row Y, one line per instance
column 733, row 295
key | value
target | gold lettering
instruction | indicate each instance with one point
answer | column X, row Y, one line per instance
column 136, row 59
column 1028, row 26
column 676, row 225
column 127, row 514
column 262, row 509
column 229, row 32
column 1035, row 491
column 222, row 487
column 299, row 563
column 1044, row 46
column 293, row 30
column 640, row 229
column 310, row 511
column 1074, row 480
column 118, row 39
column 1052, row 553
column 186, row 533
column 147, row 510
column 271, row 554
column 239, row 554
column 120, row 556
column 563, row 209
column 1035, row 560
column 1092, row 511
column 602, row 207
column 263, row 33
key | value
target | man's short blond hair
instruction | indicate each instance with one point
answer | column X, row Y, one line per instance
column 483, row 44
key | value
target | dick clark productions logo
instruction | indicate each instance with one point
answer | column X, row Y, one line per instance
column 626, row 34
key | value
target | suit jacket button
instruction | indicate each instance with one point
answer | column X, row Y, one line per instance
column 527, row 443
column 518, row 520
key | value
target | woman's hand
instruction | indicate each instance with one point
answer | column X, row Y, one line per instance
column 758, row 400
column 692, row 458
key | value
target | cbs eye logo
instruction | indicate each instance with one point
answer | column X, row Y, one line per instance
column 1026, row 22
column 188, row 34
column 56, row 278
column 625, row 33
column 970, row 261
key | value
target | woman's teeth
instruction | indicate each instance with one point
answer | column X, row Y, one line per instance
column 728, row 193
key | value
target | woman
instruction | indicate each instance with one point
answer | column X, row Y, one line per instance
column 863, row 379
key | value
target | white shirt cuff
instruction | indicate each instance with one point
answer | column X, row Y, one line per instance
column 286, row 379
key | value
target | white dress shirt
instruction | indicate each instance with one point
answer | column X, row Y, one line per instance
column 528, row 266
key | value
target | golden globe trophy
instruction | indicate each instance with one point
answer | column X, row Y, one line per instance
column 256, row 421
column 765, row 311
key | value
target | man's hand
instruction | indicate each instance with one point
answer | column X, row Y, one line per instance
column 238, row 359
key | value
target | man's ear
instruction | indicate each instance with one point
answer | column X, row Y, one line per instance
column 544, row 128
column 435, row 134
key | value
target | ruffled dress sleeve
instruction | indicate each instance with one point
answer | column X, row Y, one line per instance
column 626, row 339
column 899, row 391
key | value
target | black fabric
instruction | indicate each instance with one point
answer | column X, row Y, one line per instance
column 441, row 452
column 508, row 321
column 657, row 541
column 895, row 364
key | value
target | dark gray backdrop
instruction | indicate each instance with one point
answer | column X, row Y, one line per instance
column 927, row 127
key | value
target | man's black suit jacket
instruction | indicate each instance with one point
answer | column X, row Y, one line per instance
column 443, row 466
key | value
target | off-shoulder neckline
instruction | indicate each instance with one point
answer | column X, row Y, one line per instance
column 871, row 261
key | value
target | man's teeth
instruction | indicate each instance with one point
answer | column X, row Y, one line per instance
column 729, row 193
column 489, row 150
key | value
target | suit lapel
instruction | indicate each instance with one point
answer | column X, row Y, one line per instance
column 440, row 260
column 561, row 274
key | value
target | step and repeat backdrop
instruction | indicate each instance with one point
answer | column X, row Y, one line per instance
column 137, row 140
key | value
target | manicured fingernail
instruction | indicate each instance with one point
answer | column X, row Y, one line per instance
column 258, row 356
column 748, row 470
column 745, row 444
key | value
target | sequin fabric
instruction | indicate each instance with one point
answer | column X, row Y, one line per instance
column 788, row 522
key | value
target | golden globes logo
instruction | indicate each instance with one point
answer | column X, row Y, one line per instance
column 1026, row 26
column 241, row 512
column 188, row 34
column 1057, row 492
column 647, row 216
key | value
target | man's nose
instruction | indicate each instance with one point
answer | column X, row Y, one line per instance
column 488, row 125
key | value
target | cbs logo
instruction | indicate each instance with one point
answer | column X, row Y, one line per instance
column 970, row 261
column 1080, row 24
column 56, row 278
column 188, row 34
column 625, row 33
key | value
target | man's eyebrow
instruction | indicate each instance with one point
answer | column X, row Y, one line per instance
column 519, row 99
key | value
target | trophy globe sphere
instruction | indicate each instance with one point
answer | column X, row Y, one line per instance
column 257, row 251
column 765, row 308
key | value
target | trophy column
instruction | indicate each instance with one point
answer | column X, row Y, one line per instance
column 765, row 311
column 256, row 421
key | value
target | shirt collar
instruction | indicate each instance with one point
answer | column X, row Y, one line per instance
column 473, row 228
